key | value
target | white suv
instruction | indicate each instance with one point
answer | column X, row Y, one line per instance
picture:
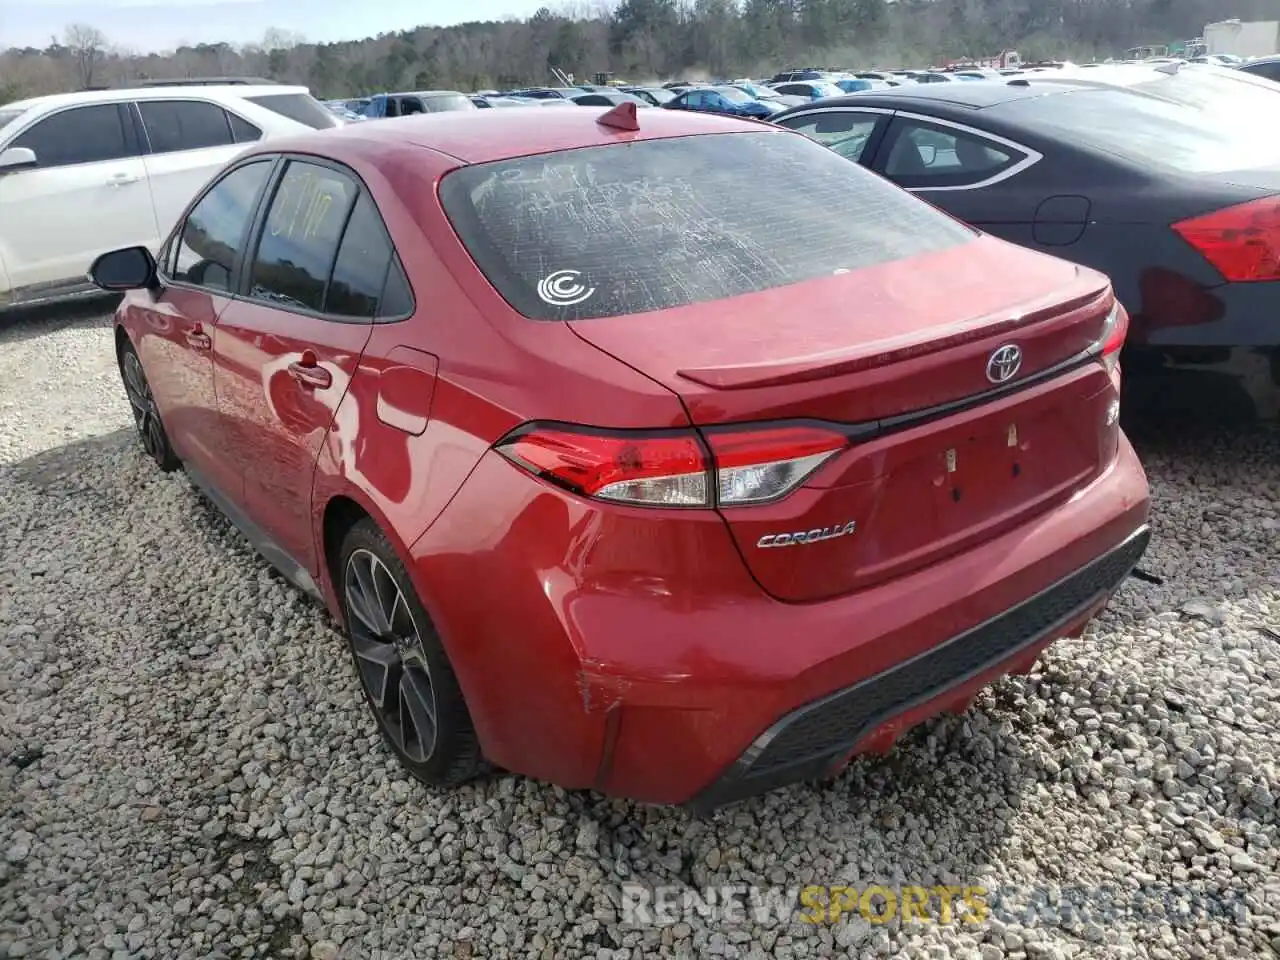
column 83, row 173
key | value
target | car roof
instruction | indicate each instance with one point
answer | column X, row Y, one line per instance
column 211, row 91
column 428, row 93
column 480, row 136
column 974, row 94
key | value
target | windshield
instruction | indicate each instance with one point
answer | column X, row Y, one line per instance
column 650, row 225
column 828, row 90
column 8, row 116
column 1148, row 130
column 734, row 95
column 661, row 95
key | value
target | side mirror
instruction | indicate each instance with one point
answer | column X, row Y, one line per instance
column 133, row 268
column 17, row 158
column 928, row 154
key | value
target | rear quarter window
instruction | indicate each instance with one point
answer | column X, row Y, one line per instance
column 628, row 228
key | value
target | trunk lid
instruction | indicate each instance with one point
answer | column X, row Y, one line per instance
column 875, row 348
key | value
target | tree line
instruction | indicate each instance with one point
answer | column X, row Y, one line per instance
column 640, row 41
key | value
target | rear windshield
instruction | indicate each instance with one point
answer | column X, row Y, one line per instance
column 650, row 225
column 1151, row 131
column 8, row 116
column 298, row 107
column 1209, row 89
column 455, row 101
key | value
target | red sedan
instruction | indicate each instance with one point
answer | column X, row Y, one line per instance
column 621, row 470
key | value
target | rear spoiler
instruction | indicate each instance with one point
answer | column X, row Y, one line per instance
column 879, row 353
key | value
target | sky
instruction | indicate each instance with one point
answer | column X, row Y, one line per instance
column 148, row 25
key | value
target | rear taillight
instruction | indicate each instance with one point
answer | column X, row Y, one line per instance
column 659, row 469
column 758, row 465
column 736, row 467
column 1111, row 342
column 1241, row 242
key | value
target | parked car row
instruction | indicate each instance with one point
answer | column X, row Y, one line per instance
column 84, row 172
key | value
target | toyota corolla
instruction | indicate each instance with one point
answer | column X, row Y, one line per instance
column 619, row 472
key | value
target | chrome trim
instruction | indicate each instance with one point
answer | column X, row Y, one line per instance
column 1030, row 157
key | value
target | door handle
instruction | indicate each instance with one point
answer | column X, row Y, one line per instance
column 120, row 179
column 198, row 339
column 310, row 374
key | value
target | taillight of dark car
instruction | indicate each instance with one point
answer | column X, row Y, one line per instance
column 674, row 468
column 1242, row 242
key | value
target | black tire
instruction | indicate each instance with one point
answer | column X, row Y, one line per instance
column 146, row 416
column 391, row 671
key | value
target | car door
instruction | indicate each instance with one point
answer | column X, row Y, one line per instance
column 87, row 195
column 197, row 272
column 967, row 172
column 188, row 142
column 287, row 348
column 854, row 134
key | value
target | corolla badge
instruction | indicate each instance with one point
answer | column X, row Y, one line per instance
column 1004, row 363
column 802, row 537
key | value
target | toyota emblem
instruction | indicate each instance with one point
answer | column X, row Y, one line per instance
column 1004, row 363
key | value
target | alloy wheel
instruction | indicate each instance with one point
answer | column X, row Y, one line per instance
column 145, row 416
column 389, row 655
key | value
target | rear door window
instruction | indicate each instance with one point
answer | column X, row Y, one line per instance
column 627, row 228
column 93, row 134
column 360, row 271
column 299, row 107
column 847, row 132
column 174, row 125
column 295, row 253
column 923, row 155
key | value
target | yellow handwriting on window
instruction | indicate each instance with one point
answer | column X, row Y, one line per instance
column 303, row 206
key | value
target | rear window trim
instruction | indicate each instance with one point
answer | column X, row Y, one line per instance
column 1030, row 156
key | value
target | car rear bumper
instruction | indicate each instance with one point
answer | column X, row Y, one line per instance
column 602, row 648
column 818, row 737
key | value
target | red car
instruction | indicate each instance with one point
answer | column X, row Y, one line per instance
column 621, row 471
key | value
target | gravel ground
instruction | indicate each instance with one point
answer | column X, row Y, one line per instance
column 186, row 769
